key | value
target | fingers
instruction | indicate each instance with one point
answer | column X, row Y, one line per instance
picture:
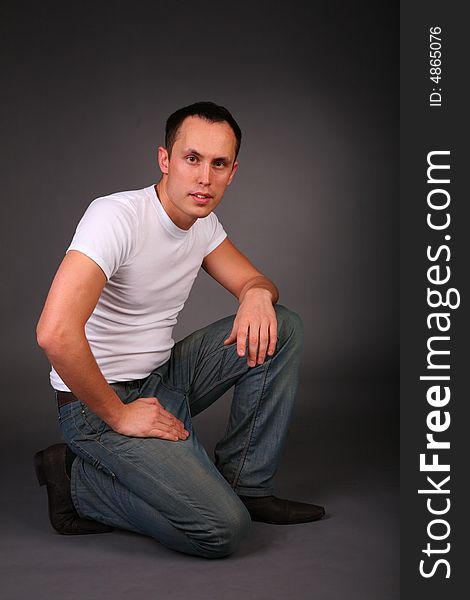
column 272, row 336
column 255, row 334
column 164, row 413
column 164, row 434
column 262, row 341
column 167, row 430
column 163, row 423
column 169, row 419
column 253, row 342
column 232, row 337
column 238, row 334
column 167, row 422
column 242, row 334
column 149, row 400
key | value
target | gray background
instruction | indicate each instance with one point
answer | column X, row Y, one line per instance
column 314, row 87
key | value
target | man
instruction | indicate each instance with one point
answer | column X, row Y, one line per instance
column 126, row 392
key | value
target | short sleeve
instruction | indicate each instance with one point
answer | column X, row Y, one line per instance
column 106, row 233
column 216, row 233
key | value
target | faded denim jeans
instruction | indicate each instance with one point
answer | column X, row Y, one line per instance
column 172, row 491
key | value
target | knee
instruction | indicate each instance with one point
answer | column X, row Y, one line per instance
column 289, row 325
column 226, row 536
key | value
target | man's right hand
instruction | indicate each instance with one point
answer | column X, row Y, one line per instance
column 146, row 417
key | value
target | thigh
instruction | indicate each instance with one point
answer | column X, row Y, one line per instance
column 201, row 366
column 178, row 479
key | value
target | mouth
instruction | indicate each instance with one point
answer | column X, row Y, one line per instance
column 201, row 198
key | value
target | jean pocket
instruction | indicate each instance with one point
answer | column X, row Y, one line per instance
column 92, row 452
column 86, row 421
column 68, row 411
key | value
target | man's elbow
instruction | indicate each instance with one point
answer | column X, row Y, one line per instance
column 46, row 337
column 54, row 339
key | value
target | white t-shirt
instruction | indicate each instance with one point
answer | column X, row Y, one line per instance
column 150, row 265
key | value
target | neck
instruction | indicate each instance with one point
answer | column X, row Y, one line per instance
column 176, row 215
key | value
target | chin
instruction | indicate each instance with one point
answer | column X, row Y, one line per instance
column 202, row 211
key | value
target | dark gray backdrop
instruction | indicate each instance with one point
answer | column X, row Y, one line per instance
column 313, row 204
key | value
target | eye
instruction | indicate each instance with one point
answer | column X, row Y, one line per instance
column 219, row 163
column 191, row 159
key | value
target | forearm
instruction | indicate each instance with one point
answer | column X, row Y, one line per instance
column 73, row 360
column 263, row 283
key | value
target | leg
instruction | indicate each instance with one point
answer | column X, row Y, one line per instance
column 248, row 455
column 168, row 490
column 201, row 367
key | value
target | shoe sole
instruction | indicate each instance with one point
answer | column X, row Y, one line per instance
column 290, row 522
column 293, row 522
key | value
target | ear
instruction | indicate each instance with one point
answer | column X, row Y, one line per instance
column 234, row 168
column 163, row 159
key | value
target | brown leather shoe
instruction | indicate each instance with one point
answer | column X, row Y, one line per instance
column 269, row 509
column 50, row 471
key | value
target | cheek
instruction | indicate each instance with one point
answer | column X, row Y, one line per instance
column 223, row 181
column 179, row 178
column 185, row 173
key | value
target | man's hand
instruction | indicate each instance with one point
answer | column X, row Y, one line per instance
column 146, row 417
column 256, row 317
column 255, row 320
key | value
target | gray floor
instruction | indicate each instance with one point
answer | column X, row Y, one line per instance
column 342, row 452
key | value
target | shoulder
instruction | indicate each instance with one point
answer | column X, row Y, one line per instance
column 212, row 232
column 120, row 210
column 108, row 231
column 127, row 204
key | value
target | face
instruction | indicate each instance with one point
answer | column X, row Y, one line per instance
column 201, row 166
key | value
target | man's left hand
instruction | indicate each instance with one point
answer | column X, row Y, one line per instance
column 255, row 321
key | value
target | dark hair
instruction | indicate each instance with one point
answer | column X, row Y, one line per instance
column 206, row 110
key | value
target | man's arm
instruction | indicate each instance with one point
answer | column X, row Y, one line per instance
column 256, row 317
column 71, row 300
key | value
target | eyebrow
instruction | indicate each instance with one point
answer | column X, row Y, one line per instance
column 199, row 155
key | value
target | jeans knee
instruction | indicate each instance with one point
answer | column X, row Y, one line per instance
column 290, row 325
column 226, row 537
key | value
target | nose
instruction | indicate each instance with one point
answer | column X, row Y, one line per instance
column 205, row 173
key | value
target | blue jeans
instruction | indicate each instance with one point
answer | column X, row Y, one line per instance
column 172, row 491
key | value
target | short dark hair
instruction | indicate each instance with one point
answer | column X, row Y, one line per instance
column 205, row 110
